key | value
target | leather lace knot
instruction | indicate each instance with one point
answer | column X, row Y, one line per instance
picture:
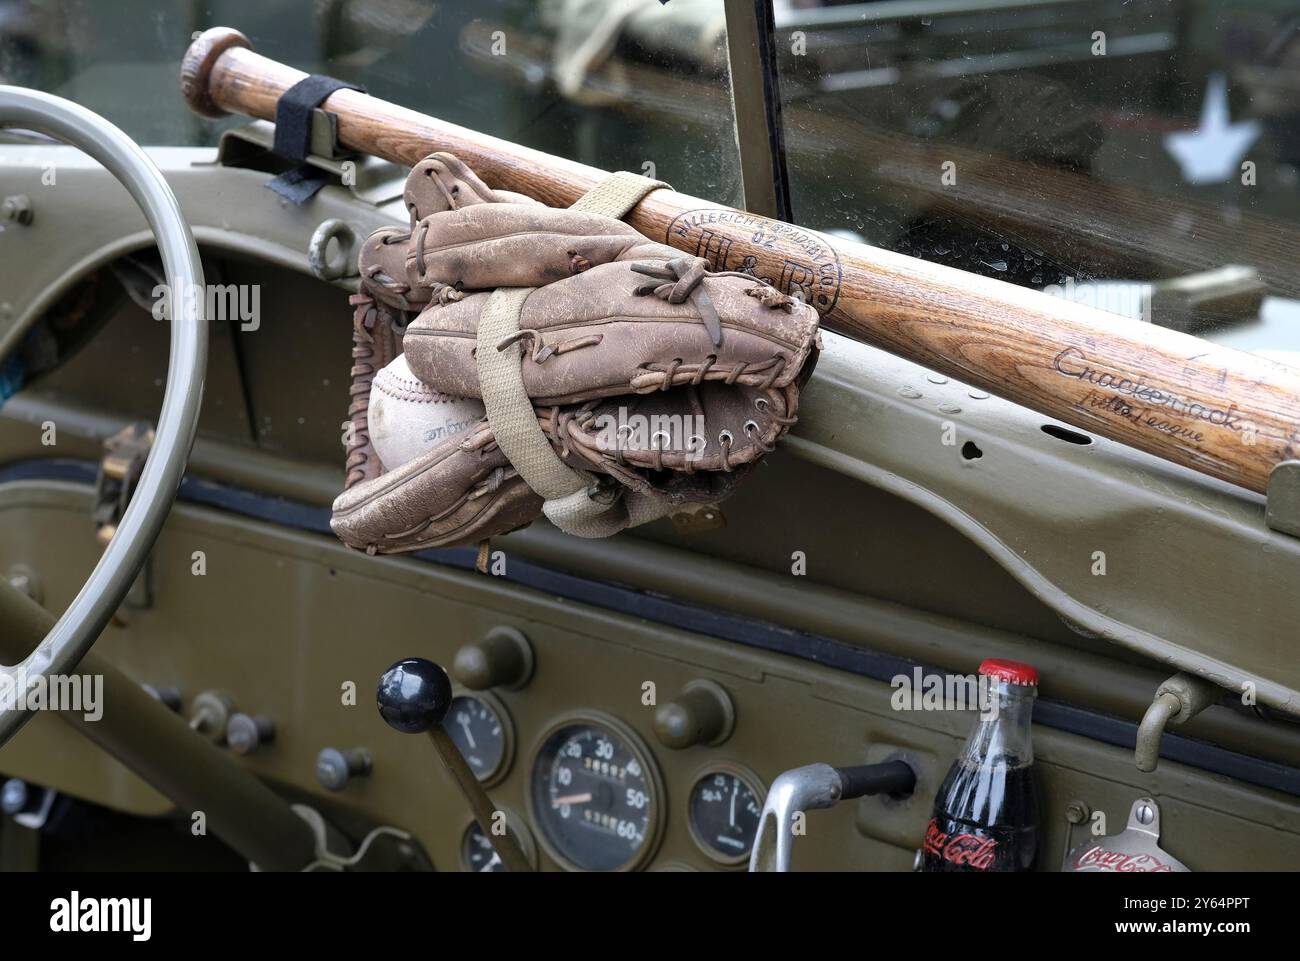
column 679, row 280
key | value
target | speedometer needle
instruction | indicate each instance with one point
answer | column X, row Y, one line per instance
column 571, row 799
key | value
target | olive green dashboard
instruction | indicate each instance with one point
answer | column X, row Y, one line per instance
column 286, row 622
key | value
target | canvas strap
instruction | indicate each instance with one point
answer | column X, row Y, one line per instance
column 569, row 504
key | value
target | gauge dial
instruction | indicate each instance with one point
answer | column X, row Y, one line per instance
column 478, row 855
column 595, row 796
column 481, row 730
column 725, row 806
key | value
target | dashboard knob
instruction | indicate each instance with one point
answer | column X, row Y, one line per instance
column 414, row 695
column 335, row 768
column 210, row 713
column 502, row 658
column 170, row 696
column 246, row 733
column 17, row 798
column 701, row 714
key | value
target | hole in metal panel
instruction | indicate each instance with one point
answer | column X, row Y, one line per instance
column 1067, row 435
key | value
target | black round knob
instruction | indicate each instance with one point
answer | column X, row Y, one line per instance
column 414, row 695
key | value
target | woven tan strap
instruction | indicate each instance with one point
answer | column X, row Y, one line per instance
column 617, row 194
column 510, row 411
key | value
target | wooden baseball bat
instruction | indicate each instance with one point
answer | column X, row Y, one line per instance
column 1220, row 411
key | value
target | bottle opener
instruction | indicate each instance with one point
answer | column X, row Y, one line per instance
column 1136, row 849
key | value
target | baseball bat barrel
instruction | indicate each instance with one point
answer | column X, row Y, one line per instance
column 1217, row 410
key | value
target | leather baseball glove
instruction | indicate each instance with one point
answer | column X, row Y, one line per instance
column 513, row 359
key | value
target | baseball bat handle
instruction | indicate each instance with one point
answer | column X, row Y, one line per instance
column 1214, row 409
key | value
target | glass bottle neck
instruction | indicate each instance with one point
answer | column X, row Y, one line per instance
column 1003, row 732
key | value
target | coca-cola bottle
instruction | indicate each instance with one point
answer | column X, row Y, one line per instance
column 986, row 815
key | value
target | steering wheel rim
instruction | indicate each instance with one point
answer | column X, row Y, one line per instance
column 77, row 630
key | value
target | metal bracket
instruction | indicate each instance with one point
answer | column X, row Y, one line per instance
column 1283, row 511
column 370, row 179
column 119, row 472
column 400, row 853
column 120, row 468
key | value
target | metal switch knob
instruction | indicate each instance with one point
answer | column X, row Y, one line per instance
column 701, row 714
column 246, row 733
column 210, row 714
column 335, row 768
column 502, row 658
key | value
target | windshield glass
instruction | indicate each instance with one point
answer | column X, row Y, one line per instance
column 1139, row 155
column 548, row 74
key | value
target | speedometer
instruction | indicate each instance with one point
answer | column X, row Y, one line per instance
column 595, row 795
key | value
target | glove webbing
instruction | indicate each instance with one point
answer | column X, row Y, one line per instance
column 510, row 411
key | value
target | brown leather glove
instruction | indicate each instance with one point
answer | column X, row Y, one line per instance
column 651, row 381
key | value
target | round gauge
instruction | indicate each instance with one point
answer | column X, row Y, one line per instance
column 480, row 727
column 478, row 855
column 595, row 795
column 725, row 806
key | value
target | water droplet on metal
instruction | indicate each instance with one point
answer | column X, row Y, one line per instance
column 909, row 392
column 937, row 379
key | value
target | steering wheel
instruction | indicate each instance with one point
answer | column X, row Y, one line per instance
column 76, row 631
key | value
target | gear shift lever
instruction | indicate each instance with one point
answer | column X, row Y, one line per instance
column 414, row 696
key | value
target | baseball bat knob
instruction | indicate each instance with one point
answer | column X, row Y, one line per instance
column 197, row 66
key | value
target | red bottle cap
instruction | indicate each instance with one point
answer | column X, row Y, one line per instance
column 1014, row 672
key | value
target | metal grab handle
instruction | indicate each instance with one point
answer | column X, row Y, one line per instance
column 1177, row 700
column 812, row 787
column 75, row 632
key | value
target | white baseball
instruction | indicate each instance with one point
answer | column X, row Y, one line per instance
column 408, row 417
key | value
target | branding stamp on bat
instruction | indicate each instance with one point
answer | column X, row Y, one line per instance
column 791, row 259
column 1128, row 389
